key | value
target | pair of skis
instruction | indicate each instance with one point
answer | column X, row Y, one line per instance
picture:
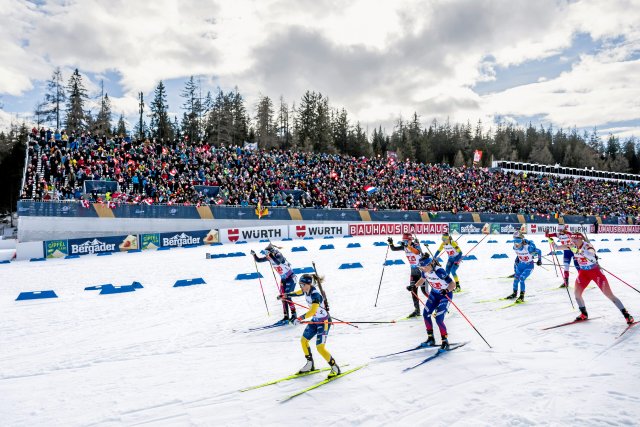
column 422, row 346
column 585, row 320
column 274, row 325
column 311, row 387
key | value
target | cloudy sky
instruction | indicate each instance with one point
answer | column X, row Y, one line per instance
column 566, row 63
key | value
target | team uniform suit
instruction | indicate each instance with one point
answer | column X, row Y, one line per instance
column 439, row 280
column 287, row 278
column 318, row 326
column 564, row 239
column 439, row 297
column 589, row 270
column 454, row 252
column 413, row 253
column 525, row 251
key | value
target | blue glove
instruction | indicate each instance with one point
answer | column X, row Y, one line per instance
column 444, row 291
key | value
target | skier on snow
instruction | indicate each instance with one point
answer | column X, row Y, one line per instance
column 452, row 249
column 525, row 251
column 287, row 278
column 411, row 248
column 564, row 239
column 318, row 314
column 441, row 293
column 588, row 270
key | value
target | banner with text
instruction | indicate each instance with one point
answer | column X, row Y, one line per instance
column 187, row 238
column 56, row 248
column 96, row 245
column 390, row 228
column 232, row 235
column 505, row 228
column 468, row 228
column 149, row 241
column 611, row 228
column 318, row 230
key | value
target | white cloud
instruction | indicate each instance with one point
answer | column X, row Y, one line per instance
column 378, row 60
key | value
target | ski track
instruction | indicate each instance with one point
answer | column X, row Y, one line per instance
column 166, row 356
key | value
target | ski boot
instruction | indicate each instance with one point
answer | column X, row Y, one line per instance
column 457, row 289
column 415, row 313
column 521, row 297
column 308, row 367
column 512, row 296
column 286, row 319
column 430, row 342
column 293, row 317
column 627, row 316
column 565, row 284
column 335, row 369
column 583, row 314
column 445, row 343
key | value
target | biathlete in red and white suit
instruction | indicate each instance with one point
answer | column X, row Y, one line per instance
column 588, row 270
column 442, row 286
column 564, row 239
column 411, row 247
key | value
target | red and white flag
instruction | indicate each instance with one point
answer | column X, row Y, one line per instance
column 477, row 156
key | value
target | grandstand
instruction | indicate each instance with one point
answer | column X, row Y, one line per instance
column 586, row 173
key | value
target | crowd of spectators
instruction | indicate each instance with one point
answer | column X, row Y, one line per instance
column 150, row 171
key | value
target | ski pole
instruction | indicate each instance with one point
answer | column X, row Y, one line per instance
column 481, row 240
column 619, row 279
column 261, row 288
column 553, row 252
column 465, row 318
column 381, row 275
column 568, row 293
column 304, row 306
column 346, row 323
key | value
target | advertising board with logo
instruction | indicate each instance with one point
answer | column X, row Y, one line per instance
column 149, row 241
column 391, row 228
column 505, row 228
column 317, row 230
column 612, row 228
column 183, row 238
column 97, row 245
column 542, row 228
column 232, row 235
column 582, row 228
column 56, row 248
column 468, row 228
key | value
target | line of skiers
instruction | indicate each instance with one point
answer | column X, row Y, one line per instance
column 426, row 271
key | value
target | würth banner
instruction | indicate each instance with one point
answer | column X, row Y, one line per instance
column 391, row 228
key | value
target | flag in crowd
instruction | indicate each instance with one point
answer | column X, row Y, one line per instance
column 477, row 156
column 370, row 189
column 251, row 146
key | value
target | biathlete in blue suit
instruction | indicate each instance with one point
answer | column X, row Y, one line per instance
column 287, row 279
column 525, row 251
column 441, row 294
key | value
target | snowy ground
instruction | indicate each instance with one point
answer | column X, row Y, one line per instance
column 178, row 356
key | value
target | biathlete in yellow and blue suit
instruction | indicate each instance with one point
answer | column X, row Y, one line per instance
column 318, row 322
column 452, row 249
